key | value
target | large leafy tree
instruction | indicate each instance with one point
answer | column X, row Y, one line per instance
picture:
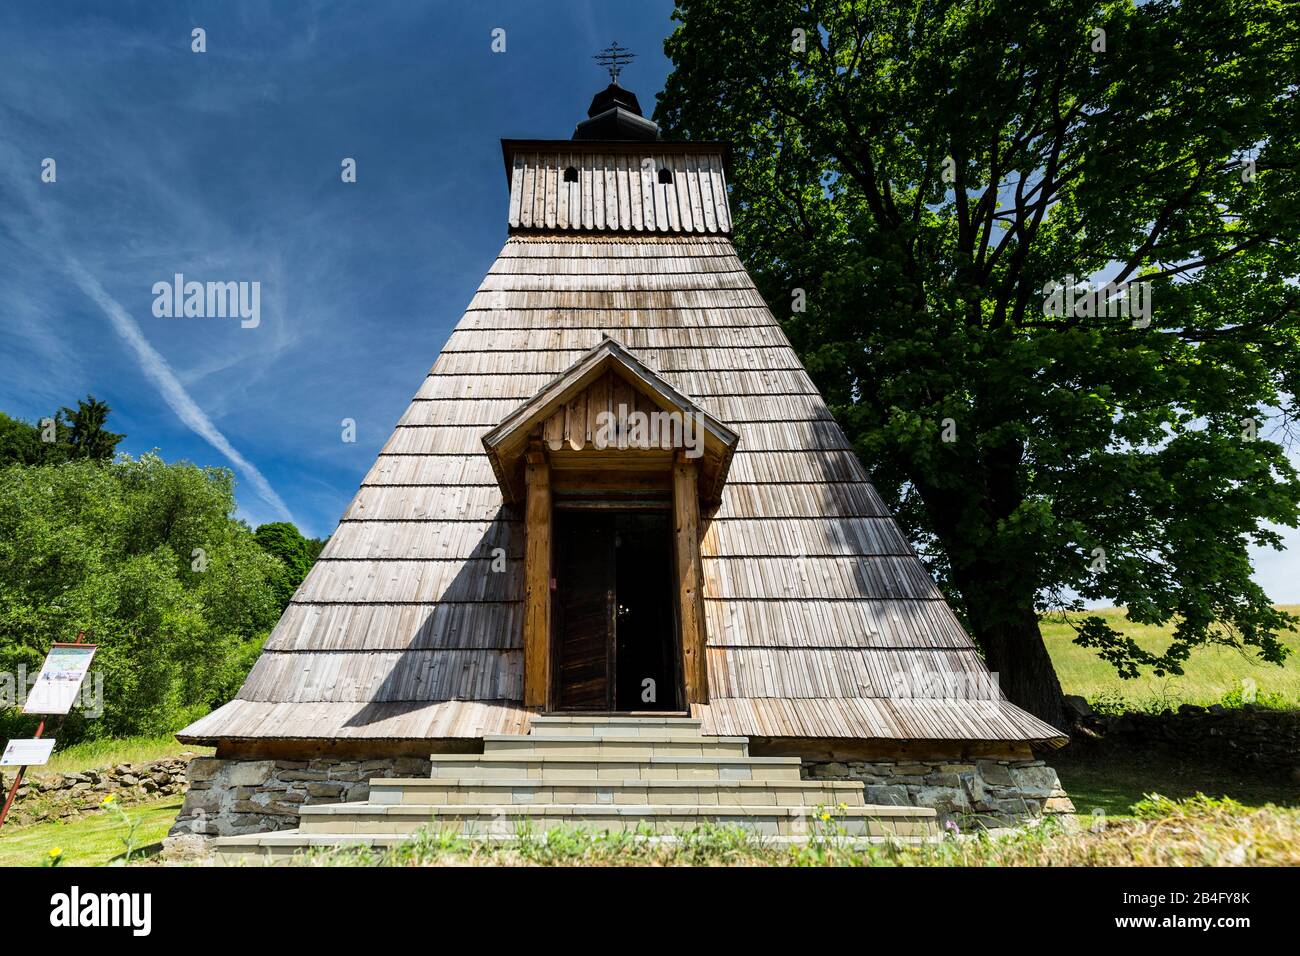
column 148, row 559
column 925, row 171
column 19, row 441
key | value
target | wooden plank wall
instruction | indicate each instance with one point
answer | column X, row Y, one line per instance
column 690, row 574
column 620, row 192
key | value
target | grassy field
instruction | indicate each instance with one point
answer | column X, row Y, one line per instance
column 93, row 840
column 1212, row 674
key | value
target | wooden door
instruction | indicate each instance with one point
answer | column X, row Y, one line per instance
column 584, row 611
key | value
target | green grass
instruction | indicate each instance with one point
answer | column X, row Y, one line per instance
column 92, row 840
column 94, row 754
column 1199, row 831
column 1212, row 673
column 1115, row 780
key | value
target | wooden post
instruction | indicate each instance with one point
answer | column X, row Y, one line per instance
column 537, row 578
column 690, row 576
column 18, row 780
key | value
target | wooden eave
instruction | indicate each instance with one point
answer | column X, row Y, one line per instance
column 506, row 443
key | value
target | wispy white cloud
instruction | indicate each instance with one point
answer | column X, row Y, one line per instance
column 158, row 372
column 151, row 362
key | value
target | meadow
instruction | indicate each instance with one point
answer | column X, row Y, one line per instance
column 1213, row 675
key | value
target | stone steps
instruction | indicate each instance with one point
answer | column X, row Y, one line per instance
column 505, row 819
column 621, row 745
column 654, row 774
column 553, row 767
column 546, row 726
column 590, row 790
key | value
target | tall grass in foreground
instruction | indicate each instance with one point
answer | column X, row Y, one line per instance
column 1199, row 831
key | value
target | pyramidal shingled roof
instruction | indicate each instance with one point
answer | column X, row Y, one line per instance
column 821, row 620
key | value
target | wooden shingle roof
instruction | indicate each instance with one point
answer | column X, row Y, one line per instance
column 822, row 622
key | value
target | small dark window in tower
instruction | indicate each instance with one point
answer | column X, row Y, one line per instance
column 665, row 175
column 570, row 175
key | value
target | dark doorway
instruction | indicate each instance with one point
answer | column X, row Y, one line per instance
column 615, row 619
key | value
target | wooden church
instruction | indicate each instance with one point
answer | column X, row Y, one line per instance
column 616, row 507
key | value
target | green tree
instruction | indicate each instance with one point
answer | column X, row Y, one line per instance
column 147, row 558
column 925, row 172
column 296, row 554
column 87, row 434
column 19, row 441
column 286, row 542
column 67, row 434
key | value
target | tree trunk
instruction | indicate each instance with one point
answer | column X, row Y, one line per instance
column 1013, row 648
column 996, row 583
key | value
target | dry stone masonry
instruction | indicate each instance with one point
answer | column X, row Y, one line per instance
column 1250, row 739
column 237, row 797
column 983, row 792
column 58, row 797
column 228, row 797
column 605, row 773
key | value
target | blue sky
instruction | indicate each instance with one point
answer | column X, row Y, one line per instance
column 224, row 166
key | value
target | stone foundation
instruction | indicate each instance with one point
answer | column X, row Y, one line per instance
column 229, row 797
column 987, row 792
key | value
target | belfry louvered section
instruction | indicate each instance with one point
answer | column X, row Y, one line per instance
column 607, row 187
column 821, row 621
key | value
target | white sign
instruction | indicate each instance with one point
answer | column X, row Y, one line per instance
column 32, row 752
column 60, row 678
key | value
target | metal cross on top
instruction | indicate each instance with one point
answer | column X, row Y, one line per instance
column 614, row 58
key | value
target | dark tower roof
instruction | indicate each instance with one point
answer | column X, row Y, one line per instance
column 615, row 115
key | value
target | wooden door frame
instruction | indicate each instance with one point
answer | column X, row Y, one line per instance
column 539, row 562
column 677, row 671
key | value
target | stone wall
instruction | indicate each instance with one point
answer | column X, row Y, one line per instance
column 253, row 796
column 1249, row 739
column 984, row 792
column 62, row 796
